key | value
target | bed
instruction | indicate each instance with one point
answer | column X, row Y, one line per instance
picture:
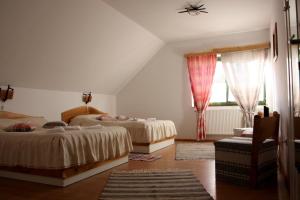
column 147, row 135
column 60, row 157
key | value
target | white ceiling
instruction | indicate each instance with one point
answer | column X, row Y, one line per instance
column 224, row 17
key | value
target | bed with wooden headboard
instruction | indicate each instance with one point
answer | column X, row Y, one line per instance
column 51, row 156
column 68, row 115
column 147, row 135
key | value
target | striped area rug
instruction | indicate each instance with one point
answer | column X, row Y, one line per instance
column 147, row 185
column 143, row 157
column 195, row 151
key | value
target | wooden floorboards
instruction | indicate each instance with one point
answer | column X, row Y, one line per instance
column 91, row 188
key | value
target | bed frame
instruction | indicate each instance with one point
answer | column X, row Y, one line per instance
column 62, row 177
column 57, row 177
column 66, row 116
column 154, row 146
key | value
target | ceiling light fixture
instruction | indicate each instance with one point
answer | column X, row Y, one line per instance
column 194, row 9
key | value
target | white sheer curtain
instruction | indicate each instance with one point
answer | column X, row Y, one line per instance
column 244, row 73
column 296, row 92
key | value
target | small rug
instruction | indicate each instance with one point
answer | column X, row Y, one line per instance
column 155, row 184
column 195, row 151
column 143, row 157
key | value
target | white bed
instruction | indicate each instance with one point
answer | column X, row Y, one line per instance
column 61, row 157
column 147, row 135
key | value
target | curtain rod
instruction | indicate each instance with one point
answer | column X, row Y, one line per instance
column 232, row 49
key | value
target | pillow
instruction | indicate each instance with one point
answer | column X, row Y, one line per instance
column 20, row 127
column 106, row 118
column 122, row 117
column 85, row 120
column 89, row 116
column 54, row 124
column 247, row 133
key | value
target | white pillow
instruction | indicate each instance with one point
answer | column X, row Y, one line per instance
column 122, row 117
column 84, row 120
column 90, row 116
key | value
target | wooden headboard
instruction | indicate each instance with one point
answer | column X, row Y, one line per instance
column 66, row 116
column 11, row 115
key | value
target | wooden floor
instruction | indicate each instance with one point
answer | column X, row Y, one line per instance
column 91, row 188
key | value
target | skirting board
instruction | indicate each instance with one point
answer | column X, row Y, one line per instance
column 153, row 147
column 63, row 182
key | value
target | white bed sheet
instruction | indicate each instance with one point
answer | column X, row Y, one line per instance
column 42, row 149
column 147, row 131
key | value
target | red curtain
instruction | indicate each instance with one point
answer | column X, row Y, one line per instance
column 201, row 71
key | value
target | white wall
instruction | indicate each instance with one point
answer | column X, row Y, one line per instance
column 162, row 88
column 50, row 103
column 70, row 45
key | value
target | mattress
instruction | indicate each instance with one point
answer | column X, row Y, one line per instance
column 44, row 149
column 143, row 131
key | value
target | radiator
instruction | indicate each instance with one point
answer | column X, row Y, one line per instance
column 222, row 121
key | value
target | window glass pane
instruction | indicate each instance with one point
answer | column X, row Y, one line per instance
column 218, row 93
column 219, row 73
column 192, row 99
column 230, row 96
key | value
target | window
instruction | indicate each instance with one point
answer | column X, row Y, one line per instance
column 221, row 94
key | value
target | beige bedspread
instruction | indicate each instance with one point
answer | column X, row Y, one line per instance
column 140, row 131
column 44, row 150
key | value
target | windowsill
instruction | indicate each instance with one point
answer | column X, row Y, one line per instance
column 236, row 107
column 231, row 104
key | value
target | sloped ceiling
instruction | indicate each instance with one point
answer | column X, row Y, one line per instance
column 71, row 45
column 161, row 17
